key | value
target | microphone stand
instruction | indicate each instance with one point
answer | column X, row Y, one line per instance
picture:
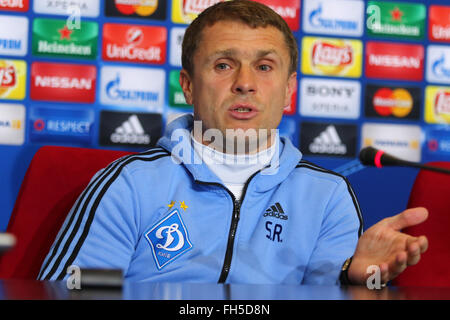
column 372, row 156
column 422, row 166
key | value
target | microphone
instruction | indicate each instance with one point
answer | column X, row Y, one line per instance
column 370, row 156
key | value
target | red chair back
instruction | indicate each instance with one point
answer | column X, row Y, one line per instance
column 432, row 191
column 54, row 180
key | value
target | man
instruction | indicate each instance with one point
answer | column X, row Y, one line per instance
column 260, row 214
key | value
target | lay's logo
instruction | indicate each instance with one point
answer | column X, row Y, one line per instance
column 442, row 103
column 327, row 54
column 331, row 57
column 12, row 79
column 437, row 104
column 7, row 77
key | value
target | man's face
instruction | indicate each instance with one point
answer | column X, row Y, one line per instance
column 241, row 77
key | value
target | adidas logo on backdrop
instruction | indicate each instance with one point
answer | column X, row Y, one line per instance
column 328, row 142
column 130, row 131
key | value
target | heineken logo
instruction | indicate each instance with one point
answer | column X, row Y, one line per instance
column 176, row 95
column 394, row 19
column 52, row 37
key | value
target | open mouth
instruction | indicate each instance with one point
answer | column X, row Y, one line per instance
column 242, row 109
column 243, row 112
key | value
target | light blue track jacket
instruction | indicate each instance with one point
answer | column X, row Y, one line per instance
column 161, row 220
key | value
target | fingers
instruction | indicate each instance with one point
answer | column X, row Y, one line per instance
column 415, row 248
column 389, row 272
column 423, row 243
column 407, row 218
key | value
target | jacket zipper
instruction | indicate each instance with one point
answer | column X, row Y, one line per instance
column 233, row 227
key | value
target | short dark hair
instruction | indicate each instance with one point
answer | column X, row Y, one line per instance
column 252, row 14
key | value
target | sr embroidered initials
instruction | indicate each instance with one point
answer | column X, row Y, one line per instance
column 168, row 239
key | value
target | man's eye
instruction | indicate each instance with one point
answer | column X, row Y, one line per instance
column 264, row 67
column 222, row 66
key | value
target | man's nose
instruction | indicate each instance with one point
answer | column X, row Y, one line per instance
column 244, row 82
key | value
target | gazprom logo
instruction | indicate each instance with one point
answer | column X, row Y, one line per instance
column 168, row 239
column 316, row 20
column 439, row 68
column 438, row 64
column 133, row 87
column 115, row 92
column 334, row 17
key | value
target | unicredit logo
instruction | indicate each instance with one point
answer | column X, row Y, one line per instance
column 135, row 36
column 439, row 27
column 146, row 44
column 331, row 55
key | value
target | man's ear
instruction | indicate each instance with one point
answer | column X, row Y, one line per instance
column 187, row 86
column 290, row 89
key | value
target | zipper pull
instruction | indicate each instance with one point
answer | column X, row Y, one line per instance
column 237, row 209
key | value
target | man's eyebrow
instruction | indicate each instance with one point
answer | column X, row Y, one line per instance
column 229, row 53
column 264, row 53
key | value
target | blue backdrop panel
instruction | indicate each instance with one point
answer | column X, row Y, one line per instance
column 381, row 192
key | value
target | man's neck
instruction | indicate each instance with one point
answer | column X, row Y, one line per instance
column 239, row 145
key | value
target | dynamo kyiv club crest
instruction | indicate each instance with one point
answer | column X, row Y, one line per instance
column 168, row 239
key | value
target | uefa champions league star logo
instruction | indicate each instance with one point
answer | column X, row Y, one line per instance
column 168, row 239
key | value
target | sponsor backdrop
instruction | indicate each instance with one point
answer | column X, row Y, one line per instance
column 104, row 74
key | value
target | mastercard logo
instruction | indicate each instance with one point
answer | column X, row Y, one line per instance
column 139, row 7
column 397, row 102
